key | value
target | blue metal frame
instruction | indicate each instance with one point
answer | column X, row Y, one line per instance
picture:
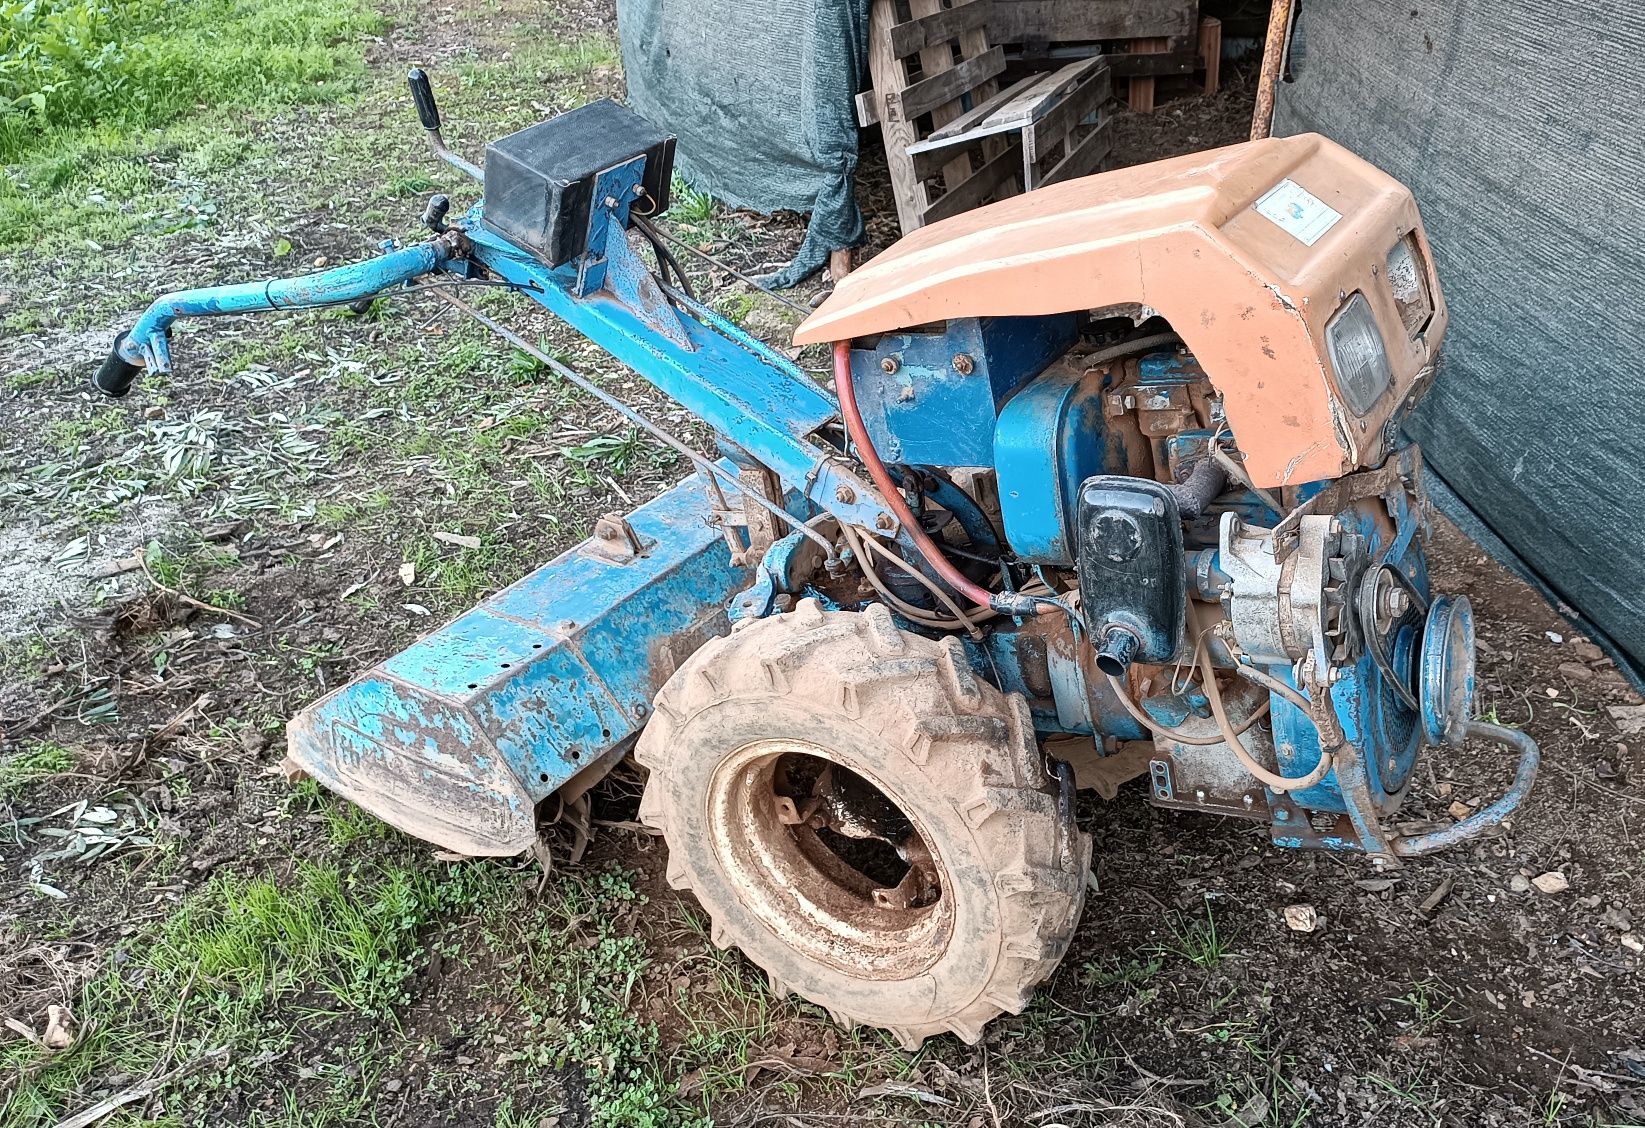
column 457, row 738
column 147, row 343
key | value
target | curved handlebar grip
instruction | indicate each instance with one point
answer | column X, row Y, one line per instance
column 423, row 95
column 116, row 373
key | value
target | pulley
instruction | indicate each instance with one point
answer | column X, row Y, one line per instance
column 1446, row 672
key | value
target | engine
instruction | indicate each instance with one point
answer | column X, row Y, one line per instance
column 1211, row 483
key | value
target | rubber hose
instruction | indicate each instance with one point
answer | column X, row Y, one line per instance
column 851, row 415
column 1202, row 486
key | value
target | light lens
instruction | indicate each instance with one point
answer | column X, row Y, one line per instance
column 1358, row 355
column 1408, row 279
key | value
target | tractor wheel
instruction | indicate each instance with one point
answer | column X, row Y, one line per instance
column 866, row 819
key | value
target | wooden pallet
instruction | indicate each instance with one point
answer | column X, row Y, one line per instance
column 1054, row 117
column 930, row 65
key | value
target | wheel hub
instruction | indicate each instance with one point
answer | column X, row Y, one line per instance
column 828, row 860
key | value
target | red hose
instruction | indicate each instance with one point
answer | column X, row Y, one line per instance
column 894, row 501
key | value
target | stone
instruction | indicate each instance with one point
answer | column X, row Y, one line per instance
column 1551, row 882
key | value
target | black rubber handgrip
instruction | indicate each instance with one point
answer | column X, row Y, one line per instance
column 423, row 94
column 116, row 374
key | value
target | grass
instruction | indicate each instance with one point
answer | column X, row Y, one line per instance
column 30, row 765
column 84, row 86
column 1198, row 941
column 238, row 965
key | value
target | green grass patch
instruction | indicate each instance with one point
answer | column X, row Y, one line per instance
column 239, row 965
column 69, row 64
column 85, row 86
column 31, row 764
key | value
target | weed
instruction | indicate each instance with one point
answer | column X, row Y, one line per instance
column 688, row 204
column 1198, row 941
column 344, row 941
column 32, row 764
column 70, row 63
column 1429, row 1006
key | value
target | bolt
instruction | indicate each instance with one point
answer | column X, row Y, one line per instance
column 1199, row 795
column 889, row 364
column 963, row 364
column 884, row 522
column 844, row 494
column 1248, row 800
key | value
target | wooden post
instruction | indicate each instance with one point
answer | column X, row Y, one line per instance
column 1210, row 52
column 1139, row 93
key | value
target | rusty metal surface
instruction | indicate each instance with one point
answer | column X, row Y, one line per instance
column 458, row 737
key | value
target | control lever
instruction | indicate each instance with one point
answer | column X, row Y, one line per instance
column 428, row 112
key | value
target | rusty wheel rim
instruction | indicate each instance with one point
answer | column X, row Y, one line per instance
column 784, row 819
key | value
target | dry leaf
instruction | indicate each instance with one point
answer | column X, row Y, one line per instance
column 461, row 540
column 408, row 573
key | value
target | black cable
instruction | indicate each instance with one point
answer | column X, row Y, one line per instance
column 665, row 257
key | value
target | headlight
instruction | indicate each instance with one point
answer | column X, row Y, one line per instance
column 1358, row 354
column 1408, row 279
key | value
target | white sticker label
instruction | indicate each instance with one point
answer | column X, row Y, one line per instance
column 1300, row 213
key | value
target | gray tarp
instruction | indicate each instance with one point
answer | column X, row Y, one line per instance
column 1519, row 127
column 761, row 96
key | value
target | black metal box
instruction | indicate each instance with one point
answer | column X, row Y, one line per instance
column 539, row 182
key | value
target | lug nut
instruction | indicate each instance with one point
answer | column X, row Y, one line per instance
column 884, row 522
column 889, row 364
column 844, row 494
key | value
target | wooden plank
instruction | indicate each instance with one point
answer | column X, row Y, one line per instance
column 1065, row 116
column 868, row 109
column 1210, row 53
column 887, row 73
column 1065, row 21
column 1140, row 94
column 946, row 86
column 1083, row 159
column 1018, row 109
column 1032, row 102
column 976, row 188
column 938, row 27
column 979, row 117
column 1130, row 64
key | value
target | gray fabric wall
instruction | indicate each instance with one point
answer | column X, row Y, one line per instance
column 1520, row 126
column 761, row 96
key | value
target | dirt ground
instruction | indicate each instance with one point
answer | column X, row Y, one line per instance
column 182, row 570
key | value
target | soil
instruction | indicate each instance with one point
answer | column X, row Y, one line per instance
column 1447, row 991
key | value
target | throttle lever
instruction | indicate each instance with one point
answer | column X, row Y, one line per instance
column 428, row 112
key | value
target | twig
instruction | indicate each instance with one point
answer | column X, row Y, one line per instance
column 200, row 603
column 90, row 1116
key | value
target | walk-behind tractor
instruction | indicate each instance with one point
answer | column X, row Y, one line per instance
column 1109, row 483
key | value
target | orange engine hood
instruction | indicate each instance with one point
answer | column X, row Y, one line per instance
column 1185, row 237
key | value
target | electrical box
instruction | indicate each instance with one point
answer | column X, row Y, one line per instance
column 539, row 182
